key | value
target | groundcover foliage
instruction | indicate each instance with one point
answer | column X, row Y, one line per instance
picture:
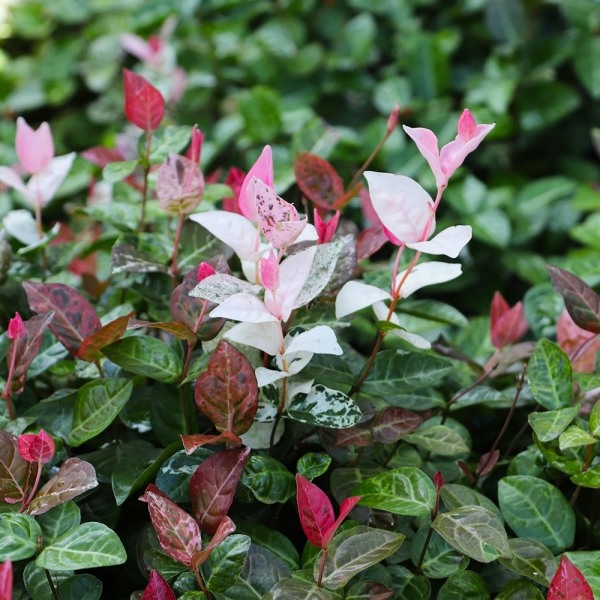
column 210, row 392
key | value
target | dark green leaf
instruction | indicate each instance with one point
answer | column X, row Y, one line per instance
column 18, row 536
column 313, row 464
column 550, row 376
column 466, row 584
column 269, row 481
column 531, row 559
column 273, row 541
column 226, row 562
column 58, row 521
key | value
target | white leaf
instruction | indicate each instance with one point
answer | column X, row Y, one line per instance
column 220, row 286
column 232, row 229
column 309, row 234
column 266, row 376
column 448, row 242
column 258, row 436
column 381, row 311
column 267, row 336
column 403, row 206
column 319, row 340
column 356, row 295
column 243, row 307
column 21, row 225
column 428, row 273
column 11, row 178
column 43, row 185
column 293, row 273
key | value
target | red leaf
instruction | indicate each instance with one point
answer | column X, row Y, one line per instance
column 318, row 180
column 101, row 156
column 507, row 325
column 16, row 473
column 315, row 511
column 370, row 241
column 581, row 301
column 487, row 462
column 569, row 583
column 438, row 480
column 227, row 392
column 393, row 423
column 36, row 447
column 111, row 332
column 197, row 440
column 179, row 330
column 27, row 348
column 6, row 580
column 158, row 588
column 213, row 486
column 353, row 436
column 345, row 507
column 178, row 533
column 226, row 527
column 581, row 345
column 144, row 104
column 74, row 317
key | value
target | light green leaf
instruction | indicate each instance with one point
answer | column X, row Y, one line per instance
column 294, row 589
column 439, row 439
column 589, row 478
column 88, row 546
column 455, row 495
column 18, row 536
column 145, row 355
column 269, row 481
column 535, row 509
column 324, row 407
column 59, row 520
column 116, row 171
column 474, row 531
column 172, row 138
column 531, row 559
column 355, row 550
column 226, row 562
column 36, row 582
column 574, row 437
column 587, row 64
column 466, row 584
column 594, row 422
column 404, row 491
column 98, row 403
column 550, row 376
column 433, row 310
column 396, row 371
column 550, row 424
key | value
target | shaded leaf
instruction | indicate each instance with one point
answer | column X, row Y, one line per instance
column 111, row 332
column 59, row 520
column 268, row 480
column 531, row 559
column 294, row 589
column 464, row 584
column 392, row 423
column 313, row 464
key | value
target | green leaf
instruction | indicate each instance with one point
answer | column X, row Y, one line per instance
column 262, row 570
column 145, row 355
column 550, row 376
column 394, row 371
column 154, row 557
column 324, row 407
column 226, row 562
column 433, row 310
column 474, row 531
column 407, row 585
column 269, row 481
column 574, row 437
column 587, row 64
column 506, row 20
column 536, row 114
column 18, row 536
column 492, row 227
column 568, row 461
column 589, row 478
column 532, row 560
column 455, row 495
column 439, row 439
column 332, row 370
column 88, row 546
column 520, row 590
column 260, row 107
column 594, row 422
column 174, row 475
column 589, row 564
column 535, row 509
column 355, row 550
column 172, row 138
column 466, row 584
column 294, row 589
column 116, row 171
column 550, row 424
column 313, row 464
column 36, row 582
column 58, row 521
column 98, row 403
column 272, row 540
column 404, row 491
column 441, row 560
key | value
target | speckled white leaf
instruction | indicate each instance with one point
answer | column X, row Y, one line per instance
column 220, row 286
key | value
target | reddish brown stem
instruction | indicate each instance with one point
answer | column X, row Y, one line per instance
column 174, row 265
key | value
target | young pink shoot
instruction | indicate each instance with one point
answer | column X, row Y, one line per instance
column 444, row 163
column 235, row 178
column 269, row 271
column 317, row 517
column 195, row 149
column 6, row 580
column 35, row 148
column 262, row 169
column 507, row 324
column 38, row 448
column 16, row 331
column 326, row 230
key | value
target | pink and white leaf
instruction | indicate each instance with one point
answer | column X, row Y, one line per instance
column 243, row 307
column 21, row 225
column 35, row 148
column 179, row 184
column 448, row 242
column 402, row 205
column 43, row 186
column 309, row 234
column 232, row 229
column 12, row 179
column 381, row 312
column 428, row 274
column 220, row 286
column 266, row 336
column 262, row 169
column 136, row 46
column 269, row 271
column 427, row 143
column 355, row 296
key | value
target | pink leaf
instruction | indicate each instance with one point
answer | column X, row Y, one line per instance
column 213, row 485
column 269, row 271
column 74, row 317
column 144, row 104
column 315, row 511
column 234, row 180
column 178, row 533
column 569, row 583
column 43, row 185
column 326, row 231
column 227, row 392
column 38, row 447
column 179, row 184
column 226, row 527
column 370, row 241
column 16, row 328
column 427, row 143
column 262, row 169
column 35, row 149
column 487, row 462
column 507, row 325
column 582, row 346
column 278, row 219
column 195, row 149
column 158, row 588
column 345, row 507
column 6, row 580
column 101, row 156
column 438, row 480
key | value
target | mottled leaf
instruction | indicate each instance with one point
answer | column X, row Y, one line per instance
column 318, row 180
column 16, row 473
column 18, row 536
column 92, row 345
column 158, row 588
column 550, row 376
column 393, row 423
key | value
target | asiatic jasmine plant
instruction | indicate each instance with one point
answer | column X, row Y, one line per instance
column 200, row 384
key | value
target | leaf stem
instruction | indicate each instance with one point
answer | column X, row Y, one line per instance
column 174, row 266
column 145, row 182
column 370, row 159
column 280, row 410
column 202, row 584
column 53, row 588
column 322, row 566
column 434, row 514
column 586, row 465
